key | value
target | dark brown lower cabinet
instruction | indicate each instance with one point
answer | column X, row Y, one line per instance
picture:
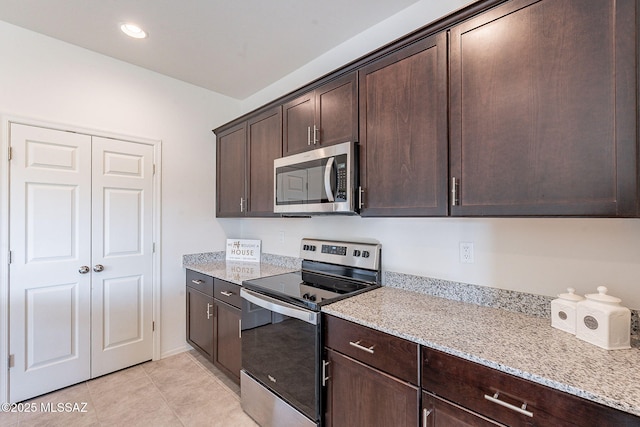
column 228, row 346
column 437, row 412
column 494, row 395
column 213, row 321
column 200, row 308
column 359, row 395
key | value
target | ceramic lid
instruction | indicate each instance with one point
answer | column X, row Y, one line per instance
column 570, row 296
column 602, row 296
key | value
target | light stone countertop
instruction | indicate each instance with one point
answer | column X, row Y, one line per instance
column 236, row 272
column 515, row 343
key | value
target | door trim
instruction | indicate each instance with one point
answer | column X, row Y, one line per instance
column 5, row 121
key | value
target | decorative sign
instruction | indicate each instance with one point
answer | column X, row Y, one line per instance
column 243, row 250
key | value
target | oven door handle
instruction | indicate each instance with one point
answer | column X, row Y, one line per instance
column 280, row 307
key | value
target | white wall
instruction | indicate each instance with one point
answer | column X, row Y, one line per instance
column 51, row 81
column 540, row 256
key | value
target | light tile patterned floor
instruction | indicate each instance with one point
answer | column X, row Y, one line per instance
column 181, row 390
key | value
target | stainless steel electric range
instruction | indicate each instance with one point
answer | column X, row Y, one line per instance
column 282, row 368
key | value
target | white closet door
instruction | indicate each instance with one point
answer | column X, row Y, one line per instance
column 50, row 240
column 122, row 254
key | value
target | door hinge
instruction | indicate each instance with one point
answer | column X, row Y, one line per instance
column 154, row 168
column 10, row 257
column 153, row 326
column 153, row 248
column 12, row 361
column 10, row 153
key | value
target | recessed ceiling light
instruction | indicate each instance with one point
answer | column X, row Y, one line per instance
column 132, row 30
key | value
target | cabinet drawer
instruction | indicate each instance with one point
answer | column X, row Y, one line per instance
column 227, row 292
column 388, row 353
column 501, row 396
column 201, row 282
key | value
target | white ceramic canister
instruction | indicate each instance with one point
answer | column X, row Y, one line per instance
column 563, row 311
column 602, row 321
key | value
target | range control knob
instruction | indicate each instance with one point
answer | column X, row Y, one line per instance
column 365, row 254
column 356, row 252
column 309, row 297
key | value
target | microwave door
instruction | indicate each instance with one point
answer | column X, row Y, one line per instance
column 293, row 186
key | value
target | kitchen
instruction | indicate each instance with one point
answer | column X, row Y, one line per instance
column 54, row 82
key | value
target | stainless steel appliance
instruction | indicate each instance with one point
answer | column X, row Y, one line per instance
column 282, row 368
column 319, row 181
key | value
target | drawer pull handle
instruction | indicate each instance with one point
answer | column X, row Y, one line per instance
column 197, row 281
column 226, row 293
column 521, row 410
column 361, row 347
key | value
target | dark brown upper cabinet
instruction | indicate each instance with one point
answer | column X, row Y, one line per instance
column 245, row 154
column 543, row 98
column 403, row 131
column 325, row 116
column 264, row 145
column 230, row 171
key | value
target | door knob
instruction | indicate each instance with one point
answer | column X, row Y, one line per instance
column 84, row 269
column 98, row 268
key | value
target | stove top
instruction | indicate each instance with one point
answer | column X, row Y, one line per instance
column 330, row 271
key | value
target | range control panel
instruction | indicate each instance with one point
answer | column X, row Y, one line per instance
column 353, row 254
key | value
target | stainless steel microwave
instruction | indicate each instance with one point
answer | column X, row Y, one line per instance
column 320, row 181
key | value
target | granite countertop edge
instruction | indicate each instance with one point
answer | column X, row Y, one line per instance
column 359, row 309
column 214, row 264
column 356, row 309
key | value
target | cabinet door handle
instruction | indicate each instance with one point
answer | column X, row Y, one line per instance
column 522, row 409
column 197, row 281
column 308, row 135
column 454, row 192
column 241, row 204
column 361, row 347
column 325, row 377
column 315, row 132
column 360, row 197
column 239, row 328
column 209, row 314
column 226, row 293
column 425, row 416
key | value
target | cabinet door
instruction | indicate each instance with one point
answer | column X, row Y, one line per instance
column 264, row 144
column 403, row 131
column 336, row 112
column 543, row 99
column 358, row 395
column 228, row 344
column 298, row 117
column 200, row 322
column 230, row 172
column 437, row 412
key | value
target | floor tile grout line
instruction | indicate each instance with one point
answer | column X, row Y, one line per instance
column 170, row 406
column 214, row 376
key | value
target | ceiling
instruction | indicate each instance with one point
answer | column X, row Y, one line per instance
column 234, row 47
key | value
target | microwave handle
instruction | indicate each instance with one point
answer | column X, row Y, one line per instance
column 327, row 178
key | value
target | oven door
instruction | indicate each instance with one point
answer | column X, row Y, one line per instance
column 280, row 351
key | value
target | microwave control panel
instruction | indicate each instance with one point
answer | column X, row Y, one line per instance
column 341, row 187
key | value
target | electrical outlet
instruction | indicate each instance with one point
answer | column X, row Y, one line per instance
column 466, row 252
